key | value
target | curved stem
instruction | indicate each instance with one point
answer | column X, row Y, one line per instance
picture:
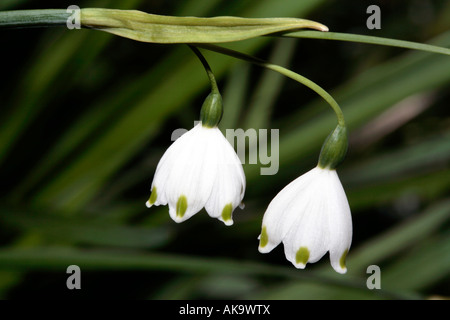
column 319, row 90
column 212, row 79
column 286, row 72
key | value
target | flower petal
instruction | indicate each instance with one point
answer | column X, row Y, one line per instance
column 174, row 155
column 307, row 227
column 340, row 224
column 185, row 171
column 310, row 216
column 229, row 185
column 283, row 211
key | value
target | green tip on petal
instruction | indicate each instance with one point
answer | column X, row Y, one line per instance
column 181, row 206
column 226, row 212
column 342, row 260
column 302, row 255
column 153, row 197
column 264, row 238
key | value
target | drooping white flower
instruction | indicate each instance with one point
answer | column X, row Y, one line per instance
column 311, row 216
column 200, row 169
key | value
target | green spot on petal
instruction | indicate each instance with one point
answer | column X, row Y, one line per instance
column 302, row 255
column 264, row 238
column 342, row 259
column 226, row 212
column 181, row 206
column 153, row 196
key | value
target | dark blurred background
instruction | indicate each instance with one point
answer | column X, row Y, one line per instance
column 85, row 117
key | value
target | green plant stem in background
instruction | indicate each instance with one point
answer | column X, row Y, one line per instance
column 368, row 39
column 286, row 72
column 34, row 18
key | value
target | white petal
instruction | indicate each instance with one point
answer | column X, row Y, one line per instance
column 310, row 216
column 185, row 171
column 283, row 211
column 340, row 224
column 306, row 240
column 174, row 155
column 229, row 185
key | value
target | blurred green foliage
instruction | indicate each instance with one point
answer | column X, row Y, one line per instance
column 85, row 117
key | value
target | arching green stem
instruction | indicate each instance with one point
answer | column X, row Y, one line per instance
column 212, row 109
column 208, row 70
column 286, row 72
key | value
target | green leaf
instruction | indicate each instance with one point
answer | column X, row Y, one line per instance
column 399, row 238
column 428, row 153
column 421, row 186
column 88, row 231
column 422, row 266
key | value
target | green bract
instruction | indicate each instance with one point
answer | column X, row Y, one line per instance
column 141, row 26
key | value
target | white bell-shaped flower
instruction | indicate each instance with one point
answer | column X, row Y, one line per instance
column 200, row 169
column 311, row 216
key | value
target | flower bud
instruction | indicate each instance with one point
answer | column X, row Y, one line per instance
column 334, row 148
column 212, row 110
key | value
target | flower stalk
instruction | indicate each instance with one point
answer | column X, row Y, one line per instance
column 34, row 18
column 286, row 72
column 212, row 108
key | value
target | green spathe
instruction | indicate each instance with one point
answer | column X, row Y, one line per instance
column 141, row 26
column 334, row 148
column 212, row 110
